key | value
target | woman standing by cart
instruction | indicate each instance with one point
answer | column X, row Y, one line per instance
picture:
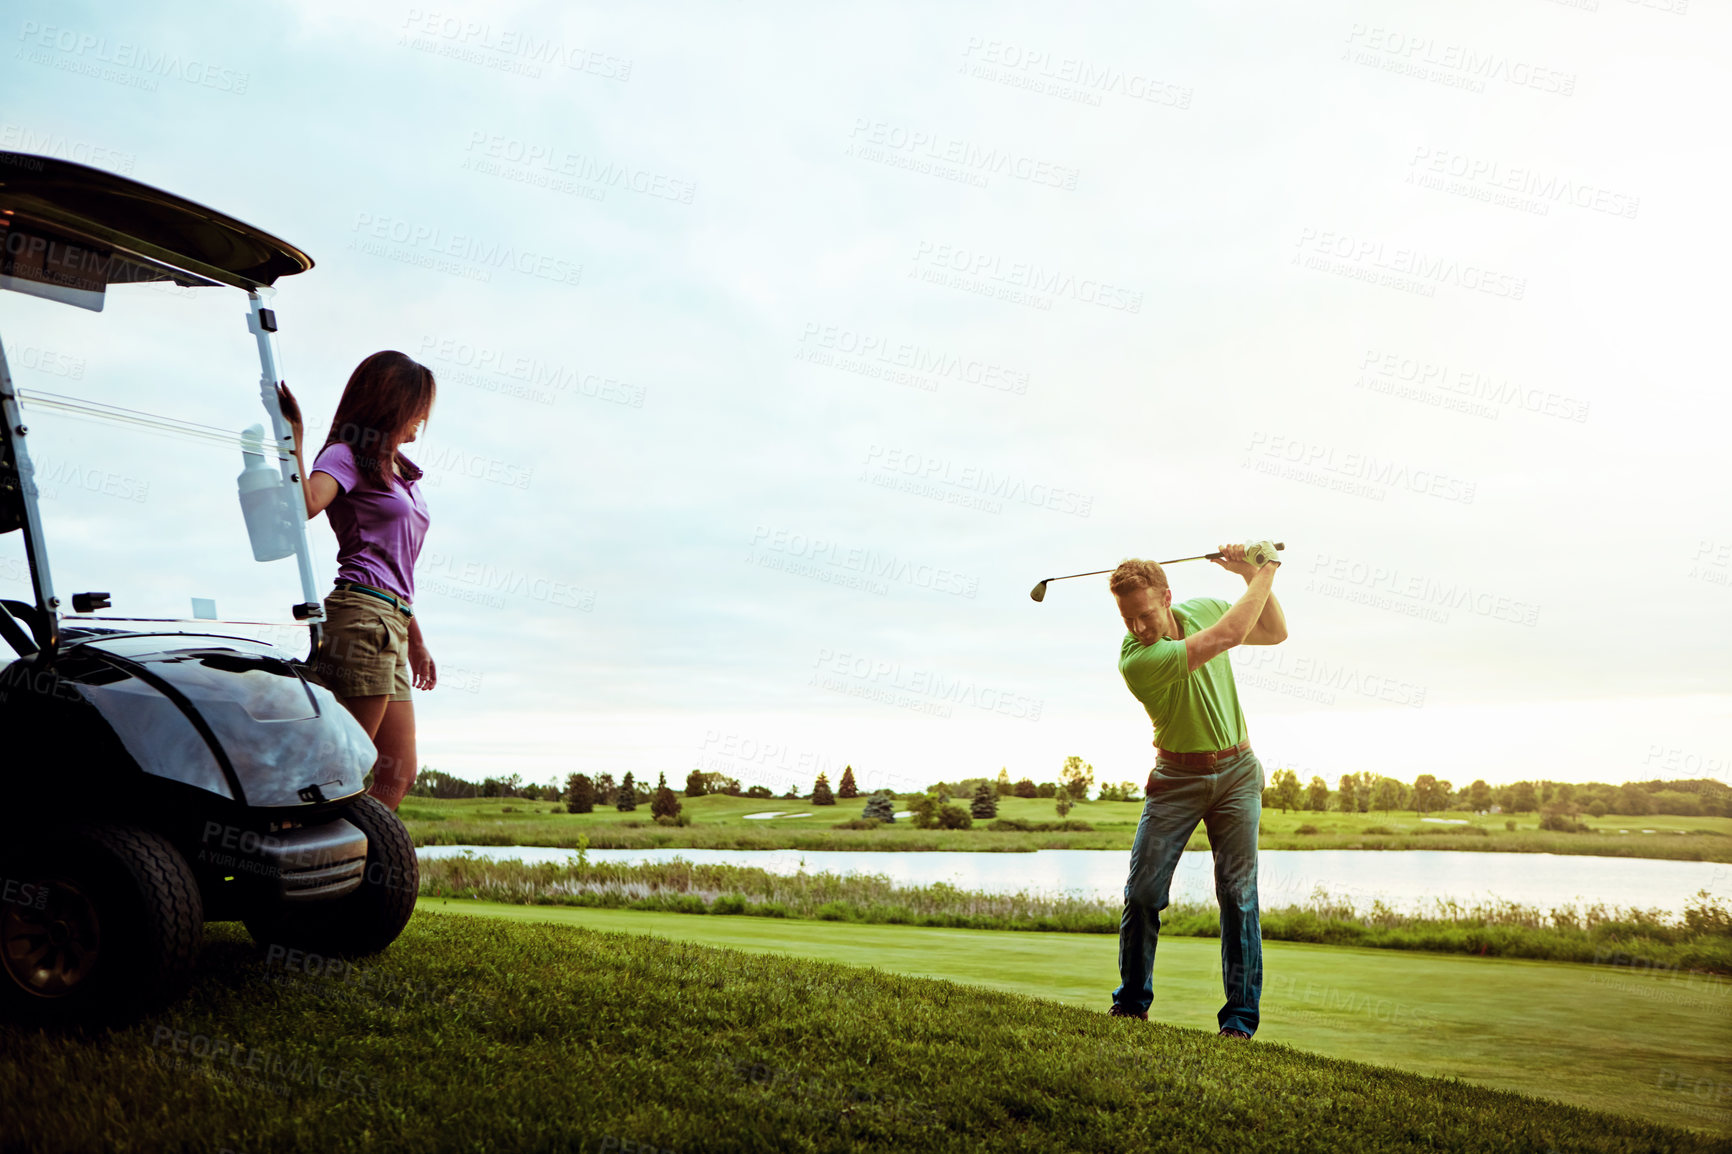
column 372, row 640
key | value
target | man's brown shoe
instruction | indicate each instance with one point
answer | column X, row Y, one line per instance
column 1119, row 1011
column 1230, row 1032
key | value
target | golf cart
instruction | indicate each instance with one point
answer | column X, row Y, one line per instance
column 155, row 778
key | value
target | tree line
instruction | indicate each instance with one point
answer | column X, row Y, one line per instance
column 1353, row 793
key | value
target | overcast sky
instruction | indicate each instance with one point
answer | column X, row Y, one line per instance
column 781, row 349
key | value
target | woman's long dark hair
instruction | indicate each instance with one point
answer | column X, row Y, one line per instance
column 384, row 394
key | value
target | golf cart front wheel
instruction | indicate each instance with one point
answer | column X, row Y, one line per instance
column 368, row 918
column 100, row 922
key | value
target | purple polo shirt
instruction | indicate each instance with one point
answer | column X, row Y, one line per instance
column 379, row 532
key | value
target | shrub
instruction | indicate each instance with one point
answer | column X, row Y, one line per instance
column 1307, row 828
column 680, row 819
column 859, row 823
column 1509, row 825
column 1026, row 788
column 1381, row 830
column 1562, row 822
column 954, row 817
column 1021, row 825
column 729, row 904
column 1705, row 914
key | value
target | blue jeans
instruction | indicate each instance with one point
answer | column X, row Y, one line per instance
column 1228, row 800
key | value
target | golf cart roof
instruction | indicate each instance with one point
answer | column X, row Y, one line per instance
column 67, row 231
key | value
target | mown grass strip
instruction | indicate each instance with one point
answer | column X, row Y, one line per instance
column 474, row 1034
column 1701, row 941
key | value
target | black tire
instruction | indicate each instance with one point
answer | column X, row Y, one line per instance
column 110, row 926
column 367, row 919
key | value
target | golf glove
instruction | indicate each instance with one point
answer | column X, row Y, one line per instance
column 1260, row 553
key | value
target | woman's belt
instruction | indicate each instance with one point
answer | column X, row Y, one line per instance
column 379, row 593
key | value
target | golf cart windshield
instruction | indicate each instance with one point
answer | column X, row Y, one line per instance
column 67, row 233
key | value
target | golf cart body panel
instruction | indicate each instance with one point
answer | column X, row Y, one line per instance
column 228, row 715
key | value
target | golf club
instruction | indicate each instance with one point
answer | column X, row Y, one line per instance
column 1038, row 593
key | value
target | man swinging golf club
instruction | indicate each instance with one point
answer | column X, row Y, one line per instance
column 1174, row 661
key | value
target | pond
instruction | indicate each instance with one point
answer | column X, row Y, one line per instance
column 1405, row 879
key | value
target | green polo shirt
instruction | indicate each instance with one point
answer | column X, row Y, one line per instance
column 1192, row 709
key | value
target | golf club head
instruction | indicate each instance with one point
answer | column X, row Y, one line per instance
column 1038, row 593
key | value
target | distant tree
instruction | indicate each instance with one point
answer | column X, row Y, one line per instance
column 923, row 811
column 1123, row 791
column 1348, row 798
column 1077, row 777
column 821, row 794
column 1597, row 808
column 695, row 784
column 1026, row 788
column 793, row 793
column 579, row 794
column 664, row 803
column 1387, row 794
column 1522, row 798
column 720, row 783
column 848, row 789
column 1062, row 802
column 605, row 789
column 626, row 798
column 1364, row 781
column 1479, row 796
column 985, row 803
column 1003, row 786
column 1286, row 789
column 1429, row 794
column 1632, row 799
column 760, row 791
column 881, row 805
column 1046, row 789
column 1317, row 795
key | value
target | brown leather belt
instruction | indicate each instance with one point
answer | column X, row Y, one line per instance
column 1201, row 759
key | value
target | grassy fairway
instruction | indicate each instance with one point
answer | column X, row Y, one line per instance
column 1594, row 1036
column 480, row 1034
column 720, row 822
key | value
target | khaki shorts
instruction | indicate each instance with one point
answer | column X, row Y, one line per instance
column 366, row 649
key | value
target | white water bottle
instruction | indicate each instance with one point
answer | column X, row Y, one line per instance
column 264, row 500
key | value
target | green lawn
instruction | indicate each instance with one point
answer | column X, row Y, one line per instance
column 1650, row 1045
column 719, row 822
column 480, row 1034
